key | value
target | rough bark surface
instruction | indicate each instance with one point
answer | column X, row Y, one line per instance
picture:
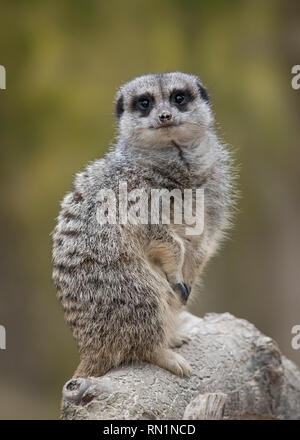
column 237, row 373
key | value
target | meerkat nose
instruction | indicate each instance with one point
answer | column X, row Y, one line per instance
column 165, row 116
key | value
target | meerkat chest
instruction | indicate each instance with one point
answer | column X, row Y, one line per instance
column 190, row 242
column 187, row 216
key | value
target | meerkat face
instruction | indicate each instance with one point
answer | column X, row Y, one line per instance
column 156, row 109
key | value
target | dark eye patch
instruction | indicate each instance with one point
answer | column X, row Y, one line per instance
column 143, row 104
column 180, row 98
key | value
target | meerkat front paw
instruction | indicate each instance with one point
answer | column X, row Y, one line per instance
column 178, row 339
column 171, row 361
column 184, row 290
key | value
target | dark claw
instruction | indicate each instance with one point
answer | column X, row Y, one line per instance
column 184, row 291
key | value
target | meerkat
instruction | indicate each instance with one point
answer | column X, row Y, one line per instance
column 123, row 286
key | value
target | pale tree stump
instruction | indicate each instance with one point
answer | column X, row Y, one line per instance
column 237, row 373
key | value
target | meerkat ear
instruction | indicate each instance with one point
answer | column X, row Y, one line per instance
column 203, row 92
column 120, row 106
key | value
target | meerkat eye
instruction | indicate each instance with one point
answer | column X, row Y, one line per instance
column 179, row 98
column 143, row 103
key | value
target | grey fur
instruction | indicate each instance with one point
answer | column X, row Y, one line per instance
column 118, row 284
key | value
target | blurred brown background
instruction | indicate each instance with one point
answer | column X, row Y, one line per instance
column 64, row 62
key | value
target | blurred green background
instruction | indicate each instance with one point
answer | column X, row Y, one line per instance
column 64, row 63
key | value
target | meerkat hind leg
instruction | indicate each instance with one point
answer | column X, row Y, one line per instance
column 171, row 361
column 178, row 339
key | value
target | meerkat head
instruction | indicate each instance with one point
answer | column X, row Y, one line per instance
column 156, row 109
